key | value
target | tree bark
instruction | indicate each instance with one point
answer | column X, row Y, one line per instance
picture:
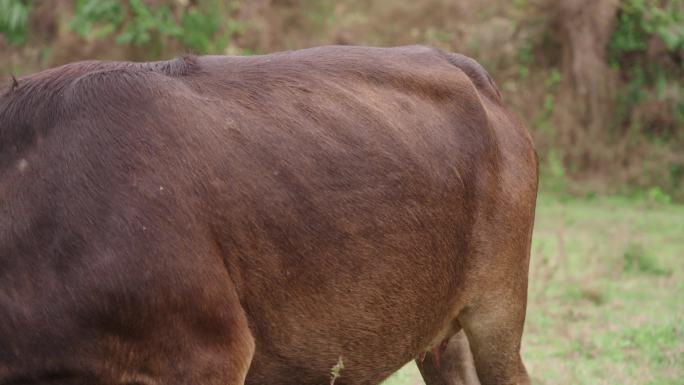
column 585, row 29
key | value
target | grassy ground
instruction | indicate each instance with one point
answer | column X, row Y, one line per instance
column 606, row 296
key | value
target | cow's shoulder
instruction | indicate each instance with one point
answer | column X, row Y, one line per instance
column 32, row 106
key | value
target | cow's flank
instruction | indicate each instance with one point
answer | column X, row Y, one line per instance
column 230, row 220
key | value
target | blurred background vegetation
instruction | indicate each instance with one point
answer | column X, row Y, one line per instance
column 600, row 84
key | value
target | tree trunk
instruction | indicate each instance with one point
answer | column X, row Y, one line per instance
column 585, row 29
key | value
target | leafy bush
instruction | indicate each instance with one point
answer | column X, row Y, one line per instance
column 134, row 22
column 641, row 24
column 640, row 20
column 14, row 20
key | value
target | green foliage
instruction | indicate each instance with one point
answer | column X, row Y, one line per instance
column 525, row 56
column 551, row 85
column 676, row 174
column 639, row 23
column 640, row 20
column 553, row 178
column 636, row 259
column 133, row 22
column 108, row 13
column 658, row 196
column 144, row 22
column 553, row 170
column 197, row 29
column 14, row 20
column 647, row 50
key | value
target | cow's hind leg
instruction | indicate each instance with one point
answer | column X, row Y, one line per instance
column 455, row 366
column 495, row 344
column 494, row 323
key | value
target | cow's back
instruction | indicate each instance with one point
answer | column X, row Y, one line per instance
column 342, row 201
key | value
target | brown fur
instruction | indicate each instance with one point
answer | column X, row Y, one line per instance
column 203, row 220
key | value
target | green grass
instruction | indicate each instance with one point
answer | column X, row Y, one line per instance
column 606, row 296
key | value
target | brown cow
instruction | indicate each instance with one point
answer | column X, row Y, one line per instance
column 230, row 220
